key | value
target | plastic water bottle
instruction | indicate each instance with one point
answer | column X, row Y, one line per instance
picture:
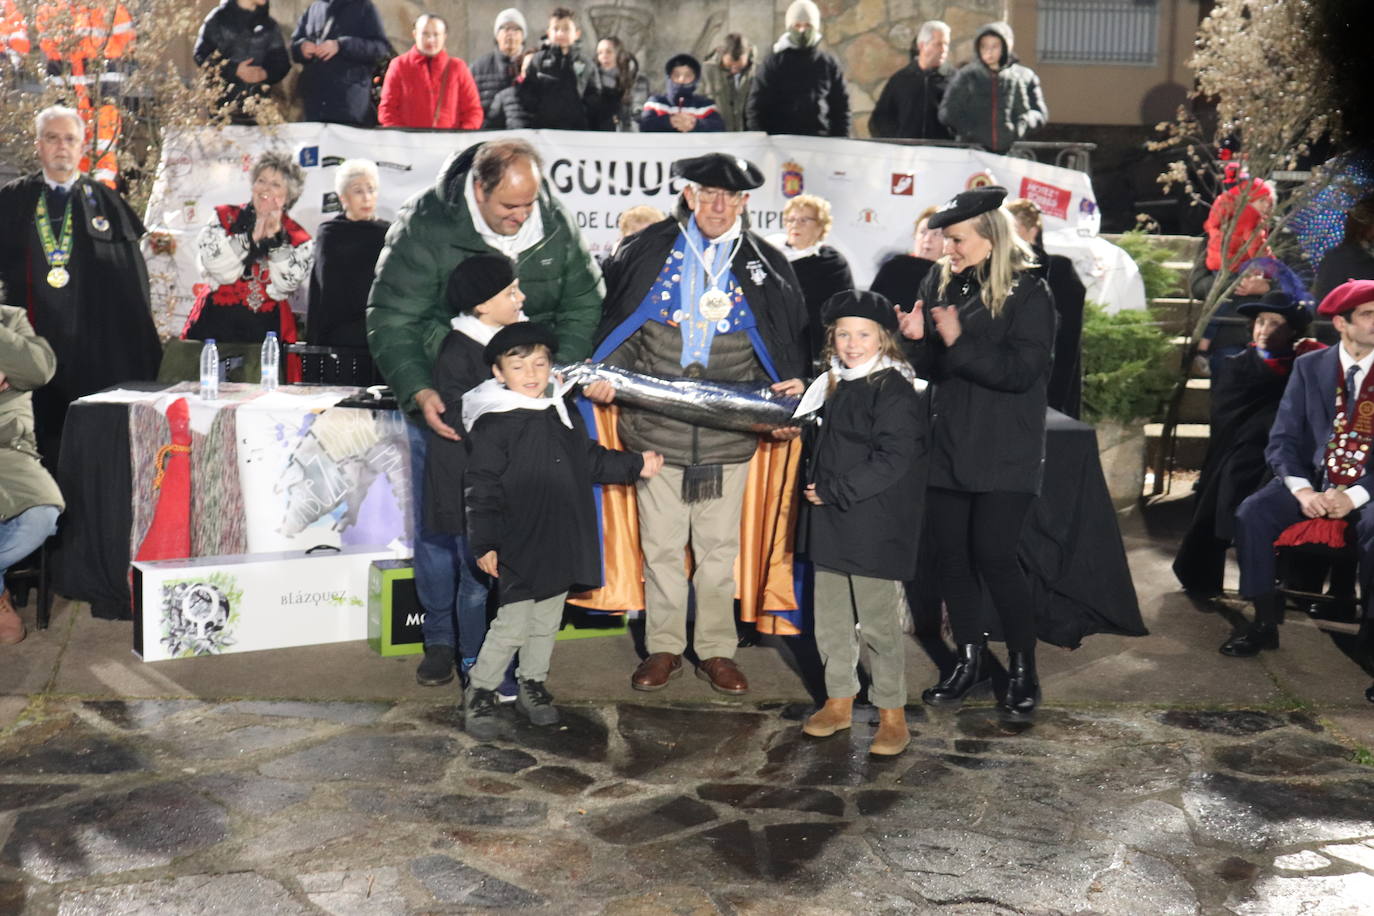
column 209, row 371
column 271, row 361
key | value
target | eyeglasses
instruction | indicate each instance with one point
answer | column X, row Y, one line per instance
column 711, row 195
column 798, row 220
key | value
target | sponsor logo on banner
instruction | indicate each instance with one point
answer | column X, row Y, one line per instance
column 979, row 180
column 1087, row 207
column 839, row 175
column 310, row 156
column 246, row 163
column 394, row 166
column 330, row 203
column 329, row 161
column 903, row 184
column 792, row 179
column 188, row 212
column 1051, row 200
column 868, row 217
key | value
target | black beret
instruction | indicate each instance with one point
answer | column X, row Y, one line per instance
column 717, row 170
column 967, row 205
column 858, row 303
column 682, row 60
column 1280, row 303
column 477, row 279
column 520, row 334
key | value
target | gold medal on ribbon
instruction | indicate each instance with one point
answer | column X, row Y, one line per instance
column 56, row 249
column 715, row 305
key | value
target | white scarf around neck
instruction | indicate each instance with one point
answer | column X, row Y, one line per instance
column 493, row 397
column 531, row 231
column 814, row 398
column 476, row 328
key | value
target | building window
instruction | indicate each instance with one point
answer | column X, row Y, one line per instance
column 1098, row 31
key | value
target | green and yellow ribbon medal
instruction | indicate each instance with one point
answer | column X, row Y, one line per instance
column 57, row 251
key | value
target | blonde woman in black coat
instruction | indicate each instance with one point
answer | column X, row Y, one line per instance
column 983, row 333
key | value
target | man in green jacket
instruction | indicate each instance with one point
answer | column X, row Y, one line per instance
column 29, row 499
column 491, row 197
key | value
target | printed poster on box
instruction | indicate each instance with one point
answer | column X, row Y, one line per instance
column 250, row 602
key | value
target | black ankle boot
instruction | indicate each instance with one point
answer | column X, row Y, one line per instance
column 968, row 675
column 1251, row 641
column 1023, row 686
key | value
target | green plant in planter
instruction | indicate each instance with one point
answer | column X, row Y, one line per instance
column 1128, row 366
column 1160, row 280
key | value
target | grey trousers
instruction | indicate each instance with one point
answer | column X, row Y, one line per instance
column 840, row 598
column 529, row 627
column 666, row 526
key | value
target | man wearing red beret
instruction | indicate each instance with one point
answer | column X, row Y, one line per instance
column 1319, row 450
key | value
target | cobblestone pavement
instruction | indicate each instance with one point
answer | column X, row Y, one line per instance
column 272, row 807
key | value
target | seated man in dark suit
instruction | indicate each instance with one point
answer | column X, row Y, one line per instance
column 1319, row 451
column 1245, row 398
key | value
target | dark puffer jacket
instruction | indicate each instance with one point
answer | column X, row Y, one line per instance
column 994, row 108
column 231, row 35
column 909, row 105
column 554, row 87
column 339, row 90
column 408, row 315
column 799, row 91
column 493, row 72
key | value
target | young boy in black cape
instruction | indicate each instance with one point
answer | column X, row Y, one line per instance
column 485, row 297
column 530, row 514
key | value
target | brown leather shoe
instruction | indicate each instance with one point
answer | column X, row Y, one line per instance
column 724, row 675
column 11, row 626
column 656, row 671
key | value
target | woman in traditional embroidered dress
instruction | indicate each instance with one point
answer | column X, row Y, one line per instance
column 982, row 331
column 255, row 256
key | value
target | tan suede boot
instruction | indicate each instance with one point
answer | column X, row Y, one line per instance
column 892, row 736
column 834, row 716
column 11, row 627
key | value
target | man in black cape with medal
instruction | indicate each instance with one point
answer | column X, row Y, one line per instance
column 69, row 255
column 698, row 295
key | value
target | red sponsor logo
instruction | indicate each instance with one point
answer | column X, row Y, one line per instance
column 1051, row 200
column 981, row 179
column 903, row 184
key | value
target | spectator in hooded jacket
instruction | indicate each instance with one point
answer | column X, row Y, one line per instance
column 339, row 43
column 424, row 87
column 242, row 41
column 800, row 88
column 617, row 90
column 557, row 79
column 680, row 108
column 994, row 101
column 727, row 76
column 498, row 68
column 909, row 105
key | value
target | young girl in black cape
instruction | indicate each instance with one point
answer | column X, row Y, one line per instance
column 865, row 494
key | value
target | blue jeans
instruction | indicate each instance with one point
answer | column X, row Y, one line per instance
column 25, row 533
column 451, row 589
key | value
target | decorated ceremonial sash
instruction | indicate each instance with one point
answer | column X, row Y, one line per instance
column 1347, row 452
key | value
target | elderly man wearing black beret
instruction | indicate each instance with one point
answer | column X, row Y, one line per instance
column 698, row 295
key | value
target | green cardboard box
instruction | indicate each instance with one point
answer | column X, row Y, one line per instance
column 394, row 615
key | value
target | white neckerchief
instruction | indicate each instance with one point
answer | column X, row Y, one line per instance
column 815, row 394
column 796, row 254
column 493, row 397
column 531, row 231
column 478, row 330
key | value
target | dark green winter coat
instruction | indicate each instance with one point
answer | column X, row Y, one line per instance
column 408, row 315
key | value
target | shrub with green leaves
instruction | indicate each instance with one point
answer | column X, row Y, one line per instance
column 1129, row 366
column 1149, row 257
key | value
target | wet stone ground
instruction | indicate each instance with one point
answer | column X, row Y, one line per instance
column 185, row 807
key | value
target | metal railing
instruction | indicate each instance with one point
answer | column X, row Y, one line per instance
column 1069, row 154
